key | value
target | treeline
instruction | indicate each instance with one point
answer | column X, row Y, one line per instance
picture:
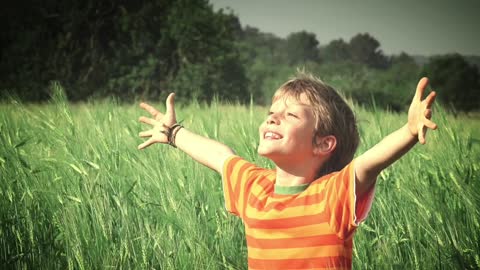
column 145, row 49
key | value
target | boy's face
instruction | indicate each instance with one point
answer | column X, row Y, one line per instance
column 287, row 133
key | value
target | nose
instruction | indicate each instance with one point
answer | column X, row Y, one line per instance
column 273, row 119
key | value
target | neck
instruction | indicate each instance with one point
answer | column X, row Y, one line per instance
column 304, row 172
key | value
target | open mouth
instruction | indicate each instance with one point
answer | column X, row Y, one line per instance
column 272, row 136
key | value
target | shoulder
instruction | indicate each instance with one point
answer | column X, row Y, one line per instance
column 235, row 161
column 236, row 165
column 344, row 175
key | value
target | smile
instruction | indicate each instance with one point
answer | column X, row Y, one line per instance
column 272, row 136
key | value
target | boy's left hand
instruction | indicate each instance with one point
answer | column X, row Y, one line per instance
column 420, row 112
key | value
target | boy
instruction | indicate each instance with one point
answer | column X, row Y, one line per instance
column 303, row 214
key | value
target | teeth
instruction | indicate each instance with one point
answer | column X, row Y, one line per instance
column 271, row 135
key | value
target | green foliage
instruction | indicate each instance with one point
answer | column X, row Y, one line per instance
column 146, row 49
column 359, row 68
column 301, row 47
column 122, row 48
column 456, row 81
column 392, row 88
column 336, row 51
column 386, row 89
column 365, row 49
column 263, row 58
column 362, row 49
column 207, row 59
column 255, row 45
column 76, row 193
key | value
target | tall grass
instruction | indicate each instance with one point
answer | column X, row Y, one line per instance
column 76, row 193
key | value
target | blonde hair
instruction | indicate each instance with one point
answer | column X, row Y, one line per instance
column 332, row 114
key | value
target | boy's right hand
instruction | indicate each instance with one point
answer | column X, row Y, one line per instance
column 160, row 123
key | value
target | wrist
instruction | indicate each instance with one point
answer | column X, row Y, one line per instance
column 173, row 134
column 409, row 134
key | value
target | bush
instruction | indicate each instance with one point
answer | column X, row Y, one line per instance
column 456, row 81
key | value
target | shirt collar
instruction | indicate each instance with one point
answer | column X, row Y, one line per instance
column 290, row 190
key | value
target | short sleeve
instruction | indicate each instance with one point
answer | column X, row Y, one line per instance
column 238, row 176
column 345, row 210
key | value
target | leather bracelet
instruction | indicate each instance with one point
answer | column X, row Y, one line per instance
column 172, row 133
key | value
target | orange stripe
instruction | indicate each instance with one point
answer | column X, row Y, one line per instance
column 229, row 203
column 297, row 242
column 231, row 165
column 340, row 180
column 310, row 268
column 285, row 264
column 341, row 202
column 231, row 183
column 280, row 197
column 283, row 223
column 255, row 203
column 256, row 209
column 285, row 202
column 315, row 268
column 234, row 180
column 299, row 253
column 320, row 183
column 264, row 185
column 303, row 201
column 239, row 175
column 322, row 228
column 228, row 191
column 316, row 187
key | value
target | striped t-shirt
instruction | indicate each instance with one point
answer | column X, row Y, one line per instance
column 300, row 227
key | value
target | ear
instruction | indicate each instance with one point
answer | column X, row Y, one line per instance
column 325, row 145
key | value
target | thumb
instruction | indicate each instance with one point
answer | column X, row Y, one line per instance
column 171, row 105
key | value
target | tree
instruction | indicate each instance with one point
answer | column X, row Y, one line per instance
column 257, row 45
column 120, row 48
column 456, row 81
column 365, row 49
column 261, row 56
column 392, row 87
column 205, row 53
column 301, row 47
column 336, row 50
column 402, row 59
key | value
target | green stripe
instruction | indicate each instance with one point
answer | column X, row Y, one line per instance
column 290, row 190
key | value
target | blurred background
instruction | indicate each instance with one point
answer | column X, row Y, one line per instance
column 373, row 51
column 75, row 193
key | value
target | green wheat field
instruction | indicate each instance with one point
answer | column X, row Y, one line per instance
column 75, row 193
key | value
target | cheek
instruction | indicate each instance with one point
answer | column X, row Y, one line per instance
column 261, row 128
column 304, row 137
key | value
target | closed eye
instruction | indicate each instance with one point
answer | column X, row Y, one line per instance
column 292, row 115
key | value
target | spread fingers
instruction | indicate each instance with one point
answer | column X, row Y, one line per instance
column 147, row 120
column 430, row 124
column 145, row 134
column 146, row 143
column 149, row 109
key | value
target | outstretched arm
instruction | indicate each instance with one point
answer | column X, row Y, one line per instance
column 204, row 150
column 369, row 165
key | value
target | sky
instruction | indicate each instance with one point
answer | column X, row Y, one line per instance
column 417, row 27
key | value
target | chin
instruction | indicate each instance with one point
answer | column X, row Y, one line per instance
column 263, row 153
column 267, row 154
